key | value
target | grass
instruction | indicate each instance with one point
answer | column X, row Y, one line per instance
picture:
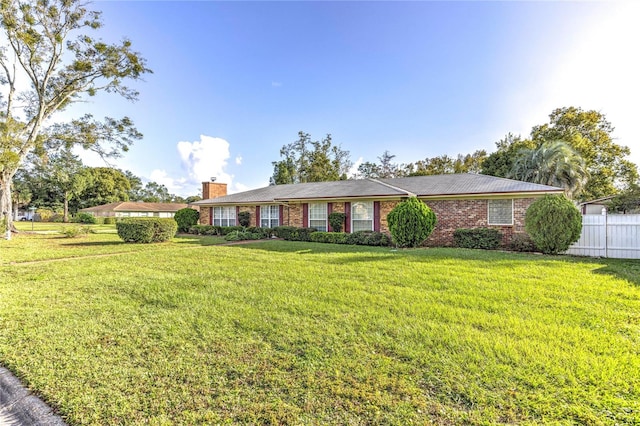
column 299, row 333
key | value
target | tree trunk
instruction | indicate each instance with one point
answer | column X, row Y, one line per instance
column 65, row 217
column 5, row 203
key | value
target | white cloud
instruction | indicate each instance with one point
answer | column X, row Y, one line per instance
column 201, row 160
column 276, row 84
column 205, row 159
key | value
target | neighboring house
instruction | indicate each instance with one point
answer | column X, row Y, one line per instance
column 595, row 206
column 134, row 209
column 458, row 200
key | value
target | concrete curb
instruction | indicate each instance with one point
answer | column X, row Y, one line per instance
column 18, row 406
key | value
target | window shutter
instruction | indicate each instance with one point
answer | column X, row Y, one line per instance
column 347, row 212
column 329, row 211
column 281, row 215
column 376, row 216
column 237, row 215
column 258, row 217
column 210, row 215
column 305, row 215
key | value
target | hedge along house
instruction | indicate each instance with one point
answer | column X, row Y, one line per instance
column 134, row 209
column 458, row 200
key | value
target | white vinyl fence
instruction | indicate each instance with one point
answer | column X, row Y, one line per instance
column 615, row 236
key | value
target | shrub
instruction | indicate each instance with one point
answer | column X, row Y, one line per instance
column 74, row 231
column 252, row 233
column 368, row 238
column 291, row 233
column 109, row 220
column 203, row 230
column 186, row 218
column 224, row 230
column 85, row 218
column 263, row 232
column 45, row 214
column 336, row 220
column 411, row 222
column 146, row 230
column 522, row 242
column 244, row 219
column 477, row 238
column 329, row 237
column 553, row 223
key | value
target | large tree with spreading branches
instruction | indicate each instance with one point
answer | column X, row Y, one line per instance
column 48, row 62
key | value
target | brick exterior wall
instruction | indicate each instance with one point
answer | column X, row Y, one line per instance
column 454, row 214
column 205, row 216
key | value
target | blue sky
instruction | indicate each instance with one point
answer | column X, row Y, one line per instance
column 234, row 81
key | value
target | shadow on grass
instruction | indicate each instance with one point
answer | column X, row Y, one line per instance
column 93, row 243
column 626, row 269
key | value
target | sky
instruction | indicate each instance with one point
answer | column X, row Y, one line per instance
column 233, row 82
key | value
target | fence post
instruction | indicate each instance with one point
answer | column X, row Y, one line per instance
column 606, row 233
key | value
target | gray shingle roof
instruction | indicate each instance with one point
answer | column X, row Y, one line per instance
column 440, row 185
column 465, row 183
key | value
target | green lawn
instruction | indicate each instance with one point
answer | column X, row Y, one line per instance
column 191, row 332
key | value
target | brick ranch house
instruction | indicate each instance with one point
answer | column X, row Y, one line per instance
column 458, row 200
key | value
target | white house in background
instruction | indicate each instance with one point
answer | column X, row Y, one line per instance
column 134, row 209
column 594, row 206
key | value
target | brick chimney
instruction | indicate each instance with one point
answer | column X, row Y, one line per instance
column 213, row 190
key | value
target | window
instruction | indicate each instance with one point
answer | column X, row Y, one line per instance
column 224, row 216
column 318, row 216
column 269, row 216
column 500, row 212
column 362, row 216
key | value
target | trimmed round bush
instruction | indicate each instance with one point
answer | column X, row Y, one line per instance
column 553, row 223
column 186, row 218
column 411, row 222
column 146, row 229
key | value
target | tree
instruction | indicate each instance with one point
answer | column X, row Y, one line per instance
column 553, row 223
column 553, row 163
column 470, row 163
column 589, row 133
column 385, row 169
column 411, row 222
column 65, row 175
column 61, row 71
column 627, row 201
column 104, row 185
column 310, row 161
column 135, row 183
column 156, row 193
column 500, row 163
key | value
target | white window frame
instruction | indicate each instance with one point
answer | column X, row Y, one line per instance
column 224, row 216
column 318, row 213
column 269, row 216
column 366, row 217
column 492, row 220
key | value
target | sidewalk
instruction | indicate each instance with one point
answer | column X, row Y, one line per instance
column 19, row 407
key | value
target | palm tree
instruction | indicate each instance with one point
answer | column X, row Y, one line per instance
column 553, row 163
